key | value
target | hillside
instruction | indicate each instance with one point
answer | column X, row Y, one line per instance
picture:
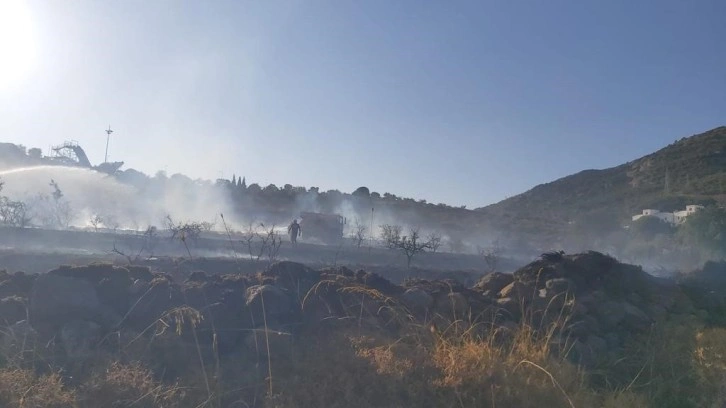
column 583, row 205
column 690, row 170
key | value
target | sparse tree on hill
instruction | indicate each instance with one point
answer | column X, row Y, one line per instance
column 491, row 255
column 53, row 211
column 391, row 234
column 434, row 240
column 410, row 244
column 13, row 213
column 359, row 233
column 188, row 230
column 96, row 221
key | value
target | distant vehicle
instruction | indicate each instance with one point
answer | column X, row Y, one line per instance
column 326, row 228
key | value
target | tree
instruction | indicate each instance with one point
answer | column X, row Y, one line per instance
column 706, row 229
column 271, row 189
column 359, row 233
column 234, row 180
column 491, row 255
column 96, row 221
column 434, row 239
column 391, row 234
column 254, row 188
column 13, row 213
column 410, row 244
column 187, row 230
column 649, row 227
column 53, row 211
column 35, row 153
column 362, row 192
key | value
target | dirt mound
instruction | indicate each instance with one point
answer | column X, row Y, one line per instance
column 606, row 302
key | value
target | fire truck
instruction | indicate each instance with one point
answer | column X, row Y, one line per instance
column 324, row 228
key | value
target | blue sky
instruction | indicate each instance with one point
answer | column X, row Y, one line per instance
column 459, row 102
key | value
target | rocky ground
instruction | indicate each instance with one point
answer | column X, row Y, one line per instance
column 590, row 308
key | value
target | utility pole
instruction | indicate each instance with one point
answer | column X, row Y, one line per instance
column 108, row 136
column 370, row 240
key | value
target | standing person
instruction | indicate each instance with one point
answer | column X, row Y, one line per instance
column 294, row 230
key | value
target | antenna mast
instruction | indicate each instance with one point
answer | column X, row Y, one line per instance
column 108, row 136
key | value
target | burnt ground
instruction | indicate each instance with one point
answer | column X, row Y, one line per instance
column 38, row 251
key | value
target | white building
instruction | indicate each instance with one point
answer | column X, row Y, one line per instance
column 680, row 216
column 674, row 218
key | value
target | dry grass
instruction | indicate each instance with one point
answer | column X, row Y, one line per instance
column 393, row 361
column 23, row 389
column 130, row 385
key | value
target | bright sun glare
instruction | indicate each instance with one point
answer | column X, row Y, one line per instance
column 17, row 48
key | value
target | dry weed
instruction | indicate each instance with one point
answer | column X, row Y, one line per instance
column 23, row 389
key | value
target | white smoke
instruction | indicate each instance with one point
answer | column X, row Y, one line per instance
column 90, row 193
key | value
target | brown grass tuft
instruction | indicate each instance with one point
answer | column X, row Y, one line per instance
column 23, row 389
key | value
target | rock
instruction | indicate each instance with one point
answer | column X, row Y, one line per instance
column 276, row 304
column 560, row 285
column 517, row 290
column 12, row 310
column 494, row 282
column 113, row 291
column 584, row 327
column 295, row 277
column 79, row 338
column 92, row 273
column 614, row 313
column 417, row 299
column 379, row 283
column 201, row 295
column 452, row 304
column 509, row 307
column 197, row 276
column 140, row 272
column 56, row 300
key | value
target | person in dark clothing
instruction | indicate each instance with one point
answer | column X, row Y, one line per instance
column 294, row 230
